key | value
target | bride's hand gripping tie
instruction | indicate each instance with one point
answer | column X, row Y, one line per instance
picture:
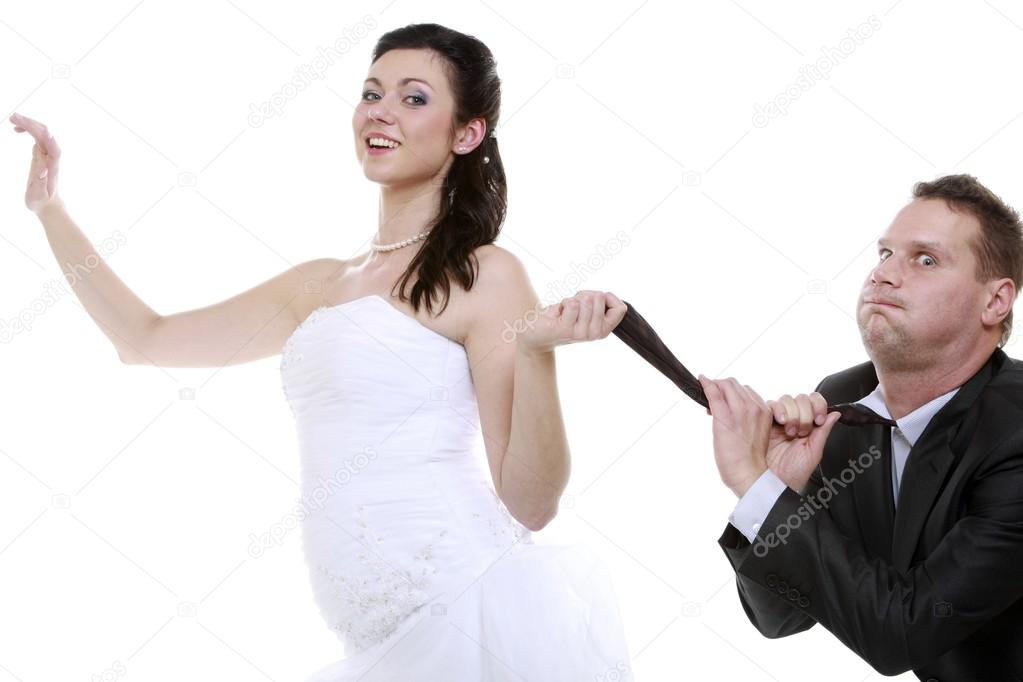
column 587, row 316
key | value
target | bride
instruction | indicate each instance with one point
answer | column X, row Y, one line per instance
column 444, row 394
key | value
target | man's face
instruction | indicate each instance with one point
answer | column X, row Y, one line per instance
column 922, row 303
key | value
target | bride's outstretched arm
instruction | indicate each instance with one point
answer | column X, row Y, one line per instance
column 251, row 325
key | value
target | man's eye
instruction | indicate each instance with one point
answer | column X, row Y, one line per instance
column 884, row 253
column 924, row 259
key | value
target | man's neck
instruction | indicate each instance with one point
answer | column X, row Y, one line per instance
column 906, row 391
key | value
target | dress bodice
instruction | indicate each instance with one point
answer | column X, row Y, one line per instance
column 397, row 497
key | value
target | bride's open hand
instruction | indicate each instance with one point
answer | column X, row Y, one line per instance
column 587, row 316
column 42, row 176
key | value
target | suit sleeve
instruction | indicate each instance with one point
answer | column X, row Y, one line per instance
column 895, row 621
column 772, row 608
column 768, row 611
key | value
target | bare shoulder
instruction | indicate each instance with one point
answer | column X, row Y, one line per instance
column 323, row 268
column 500, row 271
column 311, row 281
column 502, row 292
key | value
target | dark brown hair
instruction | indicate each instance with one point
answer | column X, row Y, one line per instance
column 474, row 196
column 999, row 249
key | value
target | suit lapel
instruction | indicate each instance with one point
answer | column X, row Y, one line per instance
column 929, row 463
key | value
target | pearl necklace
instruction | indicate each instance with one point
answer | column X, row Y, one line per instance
column 398, row 245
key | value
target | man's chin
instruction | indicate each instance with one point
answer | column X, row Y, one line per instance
column 889, row 350
column 879, row 336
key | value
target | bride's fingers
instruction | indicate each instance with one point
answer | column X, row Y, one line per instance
column 49, row 145
column 39, row 161
column 582, row 323
column 41, row 183
column 569, row 311
column 24, row 122
column 45, row 166
column 52, row 148
column 596, row 330
column 18, row 123
column 616, row 311
column 40, row 132
column 613, row 301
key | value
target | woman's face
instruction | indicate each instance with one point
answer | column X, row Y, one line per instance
column 407, row 101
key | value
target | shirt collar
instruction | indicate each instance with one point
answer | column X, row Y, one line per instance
column 914, row 423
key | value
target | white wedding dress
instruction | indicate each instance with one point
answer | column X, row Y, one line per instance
column 414, row 561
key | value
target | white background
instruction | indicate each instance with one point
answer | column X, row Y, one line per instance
column 128, row 494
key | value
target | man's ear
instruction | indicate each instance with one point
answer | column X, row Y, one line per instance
column 1001, row 294
column 469, row 136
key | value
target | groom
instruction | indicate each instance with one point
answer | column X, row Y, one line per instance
column 905, row 542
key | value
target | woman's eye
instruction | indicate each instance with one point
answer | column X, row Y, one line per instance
column 369, row 95
column 422, row 100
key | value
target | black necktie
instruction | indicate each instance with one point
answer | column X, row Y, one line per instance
column 640, row 337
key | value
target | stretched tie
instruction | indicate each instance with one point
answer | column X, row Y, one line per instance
column 637, row 333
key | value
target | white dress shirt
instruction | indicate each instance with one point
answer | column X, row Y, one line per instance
column 753, row 507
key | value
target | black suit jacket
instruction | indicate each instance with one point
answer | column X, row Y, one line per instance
column 936, row 588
